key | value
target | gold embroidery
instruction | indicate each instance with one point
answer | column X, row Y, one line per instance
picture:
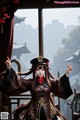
column 52, row 110
column 31, row 112
column 42, row 104
column 41, row 101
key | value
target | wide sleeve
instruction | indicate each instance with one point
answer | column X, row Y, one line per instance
column 13, row 85
column 61, row 87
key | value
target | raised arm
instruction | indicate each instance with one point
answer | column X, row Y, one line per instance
column 12, row 84
column 61, row 87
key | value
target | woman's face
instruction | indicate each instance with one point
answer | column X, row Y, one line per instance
column 40, row 71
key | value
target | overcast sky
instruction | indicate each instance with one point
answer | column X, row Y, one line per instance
column 67, row 16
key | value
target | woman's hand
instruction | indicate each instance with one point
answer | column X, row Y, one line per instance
column 8, row 63
column 69, row 69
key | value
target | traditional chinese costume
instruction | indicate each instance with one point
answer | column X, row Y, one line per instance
column 40, row 106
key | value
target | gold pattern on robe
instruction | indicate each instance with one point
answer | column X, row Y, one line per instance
column 31, row 112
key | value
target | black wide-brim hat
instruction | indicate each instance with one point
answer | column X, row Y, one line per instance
column 39, row 61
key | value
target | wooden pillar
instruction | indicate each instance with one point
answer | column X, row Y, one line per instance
column 40, row 20
column 58, row 97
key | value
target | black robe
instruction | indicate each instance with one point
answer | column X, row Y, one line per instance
column 40, row 104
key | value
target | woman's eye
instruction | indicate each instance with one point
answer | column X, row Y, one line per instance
column 42, row 68
column 37, row 69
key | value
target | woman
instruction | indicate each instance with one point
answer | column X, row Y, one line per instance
column 40, row 86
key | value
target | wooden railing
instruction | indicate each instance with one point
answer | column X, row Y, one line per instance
column 16, row 101
column 75, row 105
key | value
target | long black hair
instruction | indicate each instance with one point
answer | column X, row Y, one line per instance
column 48, row 75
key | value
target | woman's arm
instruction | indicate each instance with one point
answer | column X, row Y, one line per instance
column 61, row 87
column 12, row 84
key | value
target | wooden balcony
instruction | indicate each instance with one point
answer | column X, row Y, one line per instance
column 16, row 101
column 75, row 105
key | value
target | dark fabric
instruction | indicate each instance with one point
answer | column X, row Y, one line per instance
column 66, row 85
column 6, row 82
column 61, row 87
column 42, row 114
column 6, row 42
column 19, row 110
column 40, row 94
column 54, row 117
